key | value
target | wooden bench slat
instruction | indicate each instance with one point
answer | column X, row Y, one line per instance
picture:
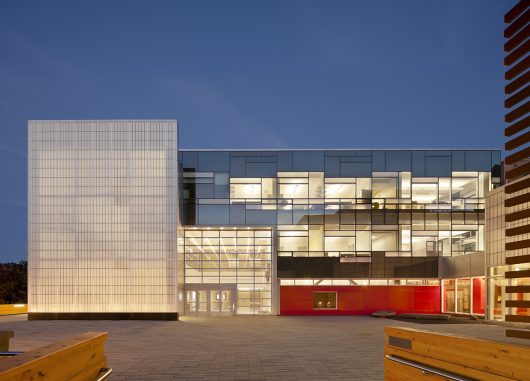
column 447, row 366
column 475, row 358
column 80, row 358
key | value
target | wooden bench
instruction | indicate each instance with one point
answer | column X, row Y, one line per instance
column 413, row 354
column 13, row 309
column 80, row 358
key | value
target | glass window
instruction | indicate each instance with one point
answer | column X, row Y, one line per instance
column 261, row 217
column 221, row 178
column 355, row 169
column 340, row 190
column 444, row 243
column 418, row 221
column 438, row 166
column 332, row 166
column 449, row 295
column 347, row 217
column 464, row 188
column 339, row 243
column 316, row 185
column 418, row 163
column 214, row 161
column 285, row 216
column 405, row 238
column 364, row 188
column 285, row 160
column 463, row 297
column 324, row 300
column 292, row 243
column 221, row 185
column 391, row 217
column 308, row 160
column 260, row 169
column 213, row 214
column 237, row 214
column 404, row 184
column 316, row 234
column 238, row 256
column 237, row 167
column 444, row 220
column 384, row 241
column 204, row 190
column 484, row 185
column 404, row 218
column 363, row 217
column 459, row 160
column 478, row 160
column 384, row 187
column 431, row 221
column 300, row 216
column 293, row 190
column 251, row 190
column 464, row 241
column 398, row 160
column 426, row 193
column 444, row 189
column 268, row 188
column 425, row 246
column 378, row 160
column 378, row 218
column 363, row 241
column 190, row 160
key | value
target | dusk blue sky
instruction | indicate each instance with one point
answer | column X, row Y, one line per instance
column 250, row 74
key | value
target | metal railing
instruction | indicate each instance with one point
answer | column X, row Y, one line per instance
column 428, row 370
column 9, row 354
column 105, row 373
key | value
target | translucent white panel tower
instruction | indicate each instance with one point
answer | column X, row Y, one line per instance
column 103, row 213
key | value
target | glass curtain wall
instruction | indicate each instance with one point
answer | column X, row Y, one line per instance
column 464, row 295
column 346, row 203
column 228, row 260
column 391, row 212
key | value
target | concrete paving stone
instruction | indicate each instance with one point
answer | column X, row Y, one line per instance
column 239, row 348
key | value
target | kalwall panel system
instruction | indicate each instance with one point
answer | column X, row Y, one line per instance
column 102, row 216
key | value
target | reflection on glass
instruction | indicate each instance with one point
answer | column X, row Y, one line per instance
column 224, row 261
column 420, row 216
column 463, row 303
column 324, row 300
column 384, row 188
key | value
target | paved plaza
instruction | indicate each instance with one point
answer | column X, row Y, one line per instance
column 238, row 348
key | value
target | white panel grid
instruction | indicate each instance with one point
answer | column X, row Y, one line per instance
column 102, row 216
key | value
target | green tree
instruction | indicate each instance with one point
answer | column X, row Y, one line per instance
column 14, row 283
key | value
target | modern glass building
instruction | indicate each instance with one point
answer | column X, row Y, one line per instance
column 259, row 231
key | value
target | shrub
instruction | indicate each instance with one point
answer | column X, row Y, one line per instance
column 14, row 283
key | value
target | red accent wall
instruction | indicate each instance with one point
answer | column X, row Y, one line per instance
column 362, row 300
column 479, row 296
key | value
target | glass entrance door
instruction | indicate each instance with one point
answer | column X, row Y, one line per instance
column 221, row 301
column 211, row 300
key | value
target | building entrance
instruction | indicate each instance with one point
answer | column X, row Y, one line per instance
column 228, row 270
column 214, row 300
